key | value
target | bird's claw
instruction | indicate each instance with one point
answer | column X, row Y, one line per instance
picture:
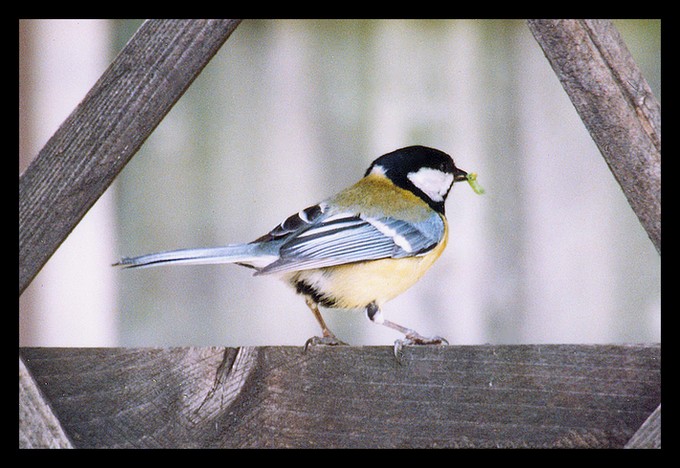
column 415, row 339
column 329, row 340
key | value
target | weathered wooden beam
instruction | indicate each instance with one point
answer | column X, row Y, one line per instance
column 649, row 434
column 438, row 396
column 107, row 128
column 41, row 428
column 616, row 105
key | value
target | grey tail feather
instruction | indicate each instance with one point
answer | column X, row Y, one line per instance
column 246, row 254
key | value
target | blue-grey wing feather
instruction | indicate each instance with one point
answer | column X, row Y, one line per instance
column 337, row 239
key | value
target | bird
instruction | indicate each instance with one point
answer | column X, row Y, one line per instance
column 357, row 249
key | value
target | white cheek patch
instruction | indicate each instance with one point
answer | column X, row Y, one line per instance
column 435, row 184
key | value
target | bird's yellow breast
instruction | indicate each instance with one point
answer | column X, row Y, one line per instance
column 355, row 285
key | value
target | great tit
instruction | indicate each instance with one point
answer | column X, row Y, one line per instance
column 357, row 249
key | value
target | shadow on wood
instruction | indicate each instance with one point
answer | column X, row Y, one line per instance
column 439, row 396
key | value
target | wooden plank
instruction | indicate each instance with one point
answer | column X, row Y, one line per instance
column 438, row 396
column 616, row 105
column 107, row 128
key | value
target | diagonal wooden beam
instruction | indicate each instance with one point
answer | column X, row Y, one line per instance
column 106, row 129
column 616, row 105
column 38, row 425
column 649, row 434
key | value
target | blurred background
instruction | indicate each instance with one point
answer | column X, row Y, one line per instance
column 290, row 112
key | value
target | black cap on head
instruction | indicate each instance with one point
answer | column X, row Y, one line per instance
column 427, row 172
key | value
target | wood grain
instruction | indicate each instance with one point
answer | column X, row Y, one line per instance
column 44, row 430
column 649, row 434
column 439, row 396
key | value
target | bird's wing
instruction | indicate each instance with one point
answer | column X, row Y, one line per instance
column 328, row 240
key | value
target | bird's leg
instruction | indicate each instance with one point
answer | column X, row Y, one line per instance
column 327, row 337
column 411, row 337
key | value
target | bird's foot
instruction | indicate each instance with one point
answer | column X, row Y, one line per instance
column 416, row 339
column 413, row 338
column 326, row 340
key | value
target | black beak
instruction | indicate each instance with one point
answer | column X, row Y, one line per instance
column 459, row 175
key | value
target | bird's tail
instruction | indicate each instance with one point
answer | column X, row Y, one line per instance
column 247, row 254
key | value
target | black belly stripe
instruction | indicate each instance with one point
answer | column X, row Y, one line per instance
column 304, row 288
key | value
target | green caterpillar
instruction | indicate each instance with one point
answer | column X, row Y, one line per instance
column 472, row 180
